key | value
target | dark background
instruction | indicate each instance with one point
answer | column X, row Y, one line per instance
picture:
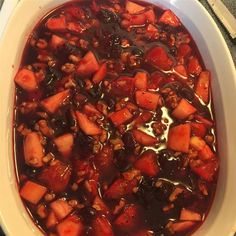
column 231, row 5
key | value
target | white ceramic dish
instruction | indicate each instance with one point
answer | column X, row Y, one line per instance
column 221, row 220
column 5, row 13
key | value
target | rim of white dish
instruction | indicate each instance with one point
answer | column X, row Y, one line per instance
column 9, row 185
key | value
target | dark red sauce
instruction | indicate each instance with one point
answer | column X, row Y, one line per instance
column 114, row 131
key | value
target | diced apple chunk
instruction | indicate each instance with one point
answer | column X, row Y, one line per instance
column 143, row 118
column 169, row 18
column 123, row 86
column 150, row 16
column 33, row 150
column 205, row 121
column 32, row 192
column 141, row 80
column 186, row 214
column 100, row 74
column 71, row 226
column 64, row 144
column 121, row 188
column 99, row 205
column 89, row 109
column 194, row 66
column 158, row 56
column 179, row 138
column 143, row 138
column 206, row 170
column 56, row 41
column 87, row 126
column 75, row 27
column 128, row 219
column 184, row 50
column 197, row 143
column 121, row 116
column 183, row 109
column 147, row 100
column 54, row 102
column 202, row 88
column 26, row 79
column 147, row 164
column 56, row 176
column 61, row 208
column 102, row 226
column 88, row 65
column 206, row 153
column 198, row 129
column 133, row 8
column 181, row 226
column 51, row 220
column 181, row 70
column 56, row 24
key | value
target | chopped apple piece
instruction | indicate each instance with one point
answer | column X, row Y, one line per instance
column 53, row 103
column 33, row 150
column 32, row 192
column 179, row 138
column 183, row 109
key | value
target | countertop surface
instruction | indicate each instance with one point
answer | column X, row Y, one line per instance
column 231, row 5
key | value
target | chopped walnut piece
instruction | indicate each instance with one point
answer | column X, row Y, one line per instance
column 102, row 107
column 73, row 203
column 203, row 188
column 119, row 207
column 88, row 84
column 23, row 130
column 173, row 196
column 192, row 153
column 170, row 97
column 49, row 197
column 74, row 58
column 121, row 129
column 158, row 184
column 68, row 68
column 42, row 114
column 51, row 63
column 125, row 43
column 125, row 56
column 42, row 211
column 103, row 137
column 43, row 127
column 42, row 44
column 27, row 107
column 158, row 128
column 168, row 207
column 40, row 75
column 96, row 147
column 117, row 143
column 131, row 174
column 33, row 41
column 137, row 149
column 209, row 139
column 44, row 58
column 70, row 83
column 83, row 43
column 74, row 187
column 48, row 157
column 121, row 104
column 95, row 43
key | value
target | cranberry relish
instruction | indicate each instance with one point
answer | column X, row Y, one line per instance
column 114, row 132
